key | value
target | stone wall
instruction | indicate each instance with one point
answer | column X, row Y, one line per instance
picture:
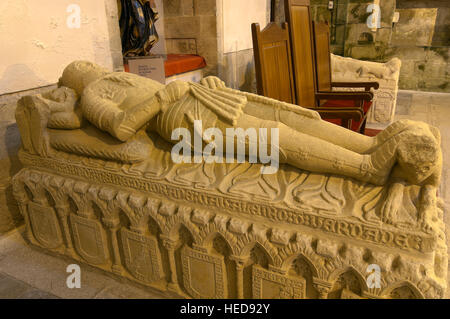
column 220, row 31
column 191, row 28
column 42, row 37
column 420, row 38
column 236, row 58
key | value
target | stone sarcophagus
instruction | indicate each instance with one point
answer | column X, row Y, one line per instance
column 387, row 74
column 226, row 230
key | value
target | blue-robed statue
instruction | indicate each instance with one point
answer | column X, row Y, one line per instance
column 137, row 26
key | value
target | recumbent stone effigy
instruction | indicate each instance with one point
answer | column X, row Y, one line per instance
column 100, row 186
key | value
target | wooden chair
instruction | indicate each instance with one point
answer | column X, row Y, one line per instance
column 274, row 73
column 321, row 34
column 345, row 107
column 273, row 62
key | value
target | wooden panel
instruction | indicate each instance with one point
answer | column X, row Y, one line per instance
column 323, row 58
column 273, row 62
column 298, row 15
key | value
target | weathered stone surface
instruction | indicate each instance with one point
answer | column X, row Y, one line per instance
column 181, row 46
column 442, row 29
column 193, row 33
column 182, row 27
column 415, row 27
column 205, row 7
column 208, row 26
column 357, row 13
column 176, row 8
column 423, row 68
column 423, row 27
column 321, row 13
column 207, row 48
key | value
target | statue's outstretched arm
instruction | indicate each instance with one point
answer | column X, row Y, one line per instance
column 298, row 118
column 214, row 82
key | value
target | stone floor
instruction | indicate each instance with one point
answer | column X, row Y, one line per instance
column 26, row 272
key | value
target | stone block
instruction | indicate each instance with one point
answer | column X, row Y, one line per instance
column 407, row 53
column 177, row 8
column 442, row 30
column 322, row 14
column 181, row 46
column 319, row 2
column 415, row 27
column 182, row 27
column 354, row 32
column 438, row 54
column 340, row 35
column 387, row 12
column 383, row 36
column 205, row 7
column 206, row 44
column 207, row 48
column 341, row 17
column 208, row 26
column 357, row 13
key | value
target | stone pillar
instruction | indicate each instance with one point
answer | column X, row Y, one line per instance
column 170, row 244
column 240, row 263
column 63, row 214
column 113, row 225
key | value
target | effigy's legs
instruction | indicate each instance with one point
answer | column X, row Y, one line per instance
column 327, row 131
column 318, row 155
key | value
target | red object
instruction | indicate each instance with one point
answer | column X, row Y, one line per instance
column 181, row 63
column 347, row 103
column 371, row 132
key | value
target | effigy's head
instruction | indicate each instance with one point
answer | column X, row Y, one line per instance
column 78, row 74
column 419, row 153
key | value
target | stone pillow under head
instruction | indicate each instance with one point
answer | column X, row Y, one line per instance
column 91, row 142
column 120, row 103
